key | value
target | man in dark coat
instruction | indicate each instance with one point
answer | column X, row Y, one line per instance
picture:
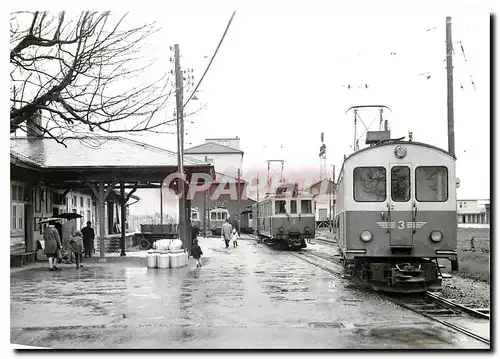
column 88, row 239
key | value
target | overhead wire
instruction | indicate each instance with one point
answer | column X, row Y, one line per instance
column 211, row 60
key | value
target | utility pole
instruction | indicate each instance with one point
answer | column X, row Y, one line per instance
column 205, row 212
column 238, row 194
column 331, row 198
column 161, row 205
column 180, row 145
column 449, row 72
column 258, row 222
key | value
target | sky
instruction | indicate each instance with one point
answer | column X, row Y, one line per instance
column 282, row 73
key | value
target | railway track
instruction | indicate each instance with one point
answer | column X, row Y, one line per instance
column 312, row 259
column 428, row 304
column 329, row 241
column 443, row 311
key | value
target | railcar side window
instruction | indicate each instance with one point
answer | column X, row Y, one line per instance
column 400, row 184
column 431, row 184
column 370, row 184
column 293, row 206
column 280, row 207
column 306, row 206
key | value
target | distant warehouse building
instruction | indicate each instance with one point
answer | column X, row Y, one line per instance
column 473, row 211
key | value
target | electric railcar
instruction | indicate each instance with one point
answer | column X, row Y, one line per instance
column 217, row 218
column 195, row 217
column 395, row 206
column 285, row 220
column 246, row 224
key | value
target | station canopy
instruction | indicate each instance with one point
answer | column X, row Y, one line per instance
column 95, row 159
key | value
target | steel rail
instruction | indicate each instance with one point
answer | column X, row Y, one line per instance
column 443, row 322
column 406, row 306
column 461, row 307
column 302, row 257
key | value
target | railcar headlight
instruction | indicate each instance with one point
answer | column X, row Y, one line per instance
column 436, row 236
column 282, row 229
column 366, row 236
column 306, row 229
column 400, row 152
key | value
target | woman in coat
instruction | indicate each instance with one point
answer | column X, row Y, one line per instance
column 52, row 244
column 76, row 246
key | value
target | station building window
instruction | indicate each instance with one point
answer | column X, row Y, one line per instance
column 370, row 184
column 431, row 184
column 17, row 215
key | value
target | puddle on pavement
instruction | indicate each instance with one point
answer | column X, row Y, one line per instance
column 407, row 335
column 326, row 325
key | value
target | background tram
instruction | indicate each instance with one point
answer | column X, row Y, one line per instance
column 285, row 219
column 218, row 216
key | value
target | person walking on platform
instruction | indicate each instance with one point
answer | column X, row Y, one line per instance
column 88, row 239
column 196, row 252
column 234, row 237
column 52, row 244
column 226, row 232
column 76, row 245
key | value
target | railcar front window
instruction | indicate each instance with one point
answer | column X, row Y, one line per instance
column 280, row 207
column 431, row 184
column 400, row 184
column 370, row 184
column 293, row 207
column 306, row 206
column 194, row 216
column 219, row 216
column 224, row 216
column 213, row 216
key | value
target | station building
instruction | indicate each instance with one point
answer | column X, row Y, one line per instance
column 227, row 158
column 48, row 179
column 473, row 211
column 324, row 202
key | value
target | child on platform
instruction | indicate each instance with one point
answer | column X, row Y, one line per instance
column 196, row 252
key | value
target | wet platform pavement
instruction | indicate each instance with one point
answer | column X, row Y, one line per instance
column 244, row 297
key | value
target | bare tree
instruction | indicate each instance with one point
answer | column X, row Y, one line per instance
column 82, row 74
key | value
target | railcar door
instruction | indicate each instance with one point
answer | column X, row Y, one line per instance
column 400, row 205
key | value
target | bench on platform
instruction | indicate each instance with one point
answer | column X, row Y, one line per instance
column 22, row 258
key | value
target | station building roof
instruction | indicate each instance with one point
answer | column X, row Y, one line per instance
column 211, row 148
column 95, row 152
column 94, row 159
